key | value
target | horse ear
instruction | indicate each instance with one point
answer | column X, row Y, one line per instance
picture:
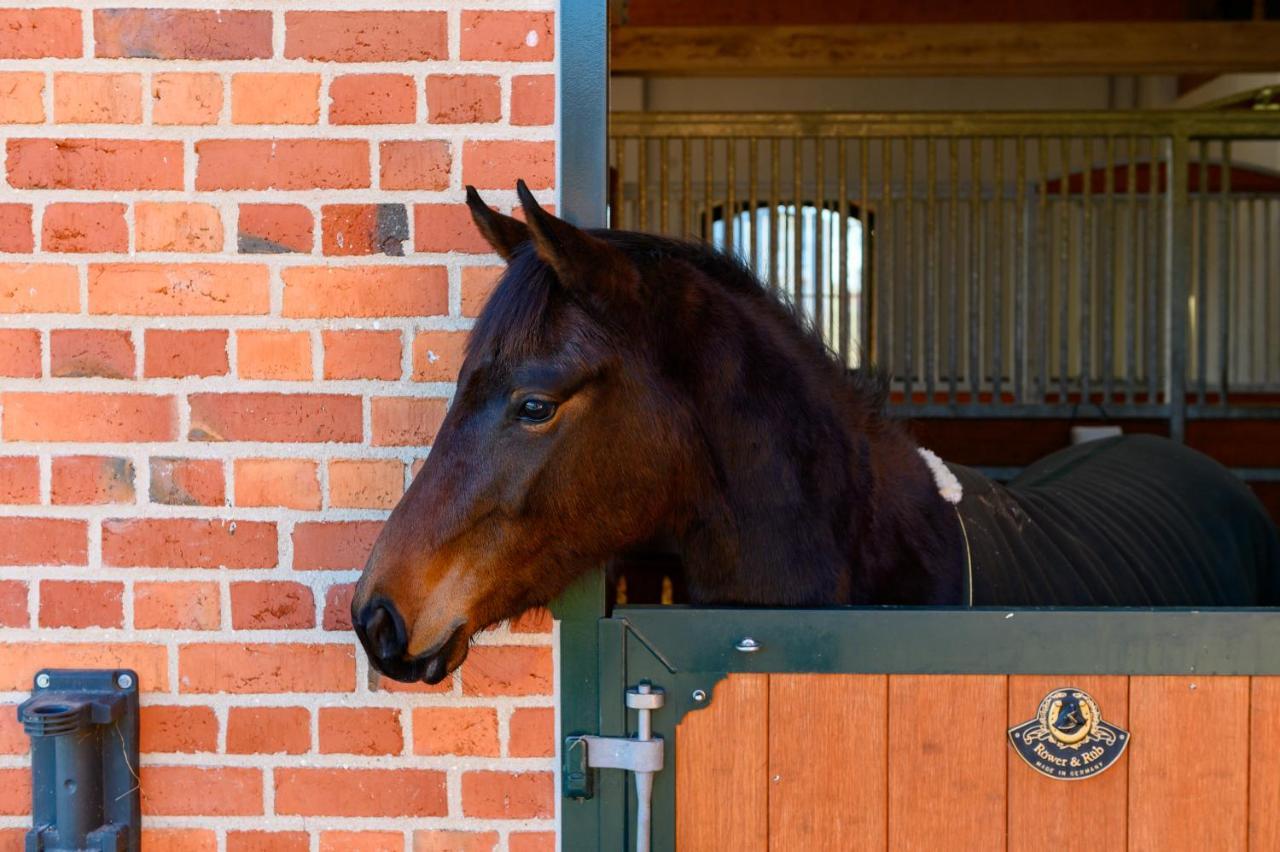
column 579, row 259
column 502, row 232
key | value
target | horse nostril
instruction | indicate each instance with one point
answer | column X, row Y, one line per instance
column 385, row 630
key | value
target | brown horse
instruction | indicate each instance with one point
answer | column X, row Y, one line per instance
column 621, row 388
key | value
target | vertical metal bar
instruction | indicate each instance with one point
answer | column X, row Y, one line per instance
column 884, row 267
column 1107, row 282
column 931, row 264
column 775, row 263
column 1226, row 263
column 997, row 271
column 1020, row 266
column 1045, row 279
column 1177, row 246
column 708, row 188
column 1086, row 275
column 642, row 185
column 620, row 163
column 953, row 277
column 797, row 223
column 730, row 204
column 842, row 237
column 664, row 178
column 1131, row 276
column 1202, row 276
column 1271, row 301
column 909, row 268
column 686, row 186
column 976, row 268
column 1152, row 273
column 866, row 296
column 1064, row 286
column 753, row 216
column 819, row 204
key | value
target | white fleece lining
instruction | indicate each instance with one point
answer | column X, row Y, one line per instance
column 949, row 487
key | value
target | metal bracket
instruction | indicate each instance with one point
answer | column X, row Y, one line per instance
column 625, row 753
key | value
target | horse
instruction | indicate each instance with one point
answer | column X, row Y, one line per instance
column 620, row 388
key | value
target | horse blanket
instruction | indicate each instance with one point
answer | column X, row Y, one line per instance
column 1129, row 521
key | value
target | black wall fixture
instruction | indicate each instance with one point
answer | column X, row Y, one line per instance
column 83, row 726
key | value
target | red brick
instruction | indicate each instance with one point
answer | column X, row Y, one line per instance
column 508, row 795
column 13, row 740
column 447, row 228
column 13, row 604
column 156, row 289
column 176, row 606
column 437, row 355
column 471, row 731
column 20, row 353
column 179, row 227
column 350, row 354
column 333, row 545
column 181, row 34
column 19, row 479
column 179, row 354
column 361, row 841
column 188, row 543
column 360, row 792
column 302, row 418
column 69, row 227
column 365, row 291
column 531, row 841
column 337, row 606
column 498, row 164
column 463, row 99
column 29, row 288
column 15, row 792
column 264, row 668
column 275, row 98
column 92, row 480
column 282, row 164
column 406, row 421
column 38, row 33
column 182, row 98
column 274, row 229
column 361, row 229
column 96, row 417
column 373, row 99
column 106, row 353
column 187, row 482
column 97, row 98
column 508, row 36
column 178, row 730
column 533, row 99
column 268, row 354
column 94, row 164
column 507, row 670
column 21, row 97
column 43, row 541
column 443, row 840
column 533, row 732
column 360, row 730
column 201, row 791
column 365, row 483
column 19, row 661
column 179, row 840
column 272, row 606
column 268, row 841
column 366, row 36
column 416, row 164
column 268, row 730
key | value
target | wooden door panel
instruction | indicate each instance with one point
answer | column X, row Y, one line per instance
column 1264, row 763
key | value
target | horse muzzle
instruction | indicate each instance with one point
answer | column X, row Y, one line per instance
column 382, row 633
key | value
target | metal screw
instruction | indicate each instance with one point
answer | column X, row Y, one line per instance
column 699, row 695
column 124, row 681
column 42, row 680
column 747, row 645
column 644, row 687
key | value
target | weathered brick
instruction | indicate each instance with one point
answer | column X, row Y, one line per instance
column 181, row 34
column 272, row 605
column 91, row 480
column 281, row 164
column 447, row 228
column 201, row 791
column 361, row 841
column 356, row 229
column 19, row 661
column 77, row 603
column 471, row 731
column 360, row 792
column 533, row 99
column 19, row 479
column 351, row 354
column 176, row 606
column 508, row 36
column 277, row 418
column 531, row 841
column 507, row 670
column 463, row 99
column 103, row 352
column 185, row 98
column 498, row 164
column 13, row 739
column 333, row 545
column 268, row 354
column 97, row 98
column 268, row 841
column 291, row 483
column 445, row 840
column 275, row 98
column 188, row 543
column 177, row 226
column 94, row 164
column 13, row 604
column 15, row 791
column 360, row 730
column 337, row 606
column 187, row 482
column 365, row 291
column 415, row 164
column 508, row 795
column 88, row 417
column 365, row 483
column 179, row 840
column 179, row 354
column 366, row 36
column 178, row 729
column 437, row 355
column 532, row 732
column 21, row 97
column 262, row 668
column 274, row 229
column 75, row 227
column 20, row 353
column 373, row 99
column 40, row 33
column 268, row 730
column 190, row 289
column 404, row 421
column 45, row 288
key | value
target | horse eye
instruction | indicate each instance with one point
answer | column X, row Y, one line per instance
column 536, row 410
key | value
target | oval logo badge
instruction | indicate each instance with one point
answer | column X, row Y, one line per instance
column 1067, row 739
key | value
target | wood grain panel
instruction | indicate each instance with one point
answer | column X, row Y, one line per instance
column 1045, row 813
column 1264, row 763
column 947, row 762
column 1188, row 762
column 722, row 764
column 827, row 762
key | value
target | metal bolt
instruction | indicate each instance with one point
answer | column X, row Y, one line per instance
column 644, row 687
column 747, row 645
column 124, row 681
column 42, row 680
column 699, row 695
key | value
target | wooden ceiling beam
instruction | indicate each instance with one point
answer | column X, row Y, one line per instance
column 1194, row 47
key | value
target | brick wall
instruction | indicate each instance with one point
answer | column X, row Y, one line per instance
column 235, row 272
